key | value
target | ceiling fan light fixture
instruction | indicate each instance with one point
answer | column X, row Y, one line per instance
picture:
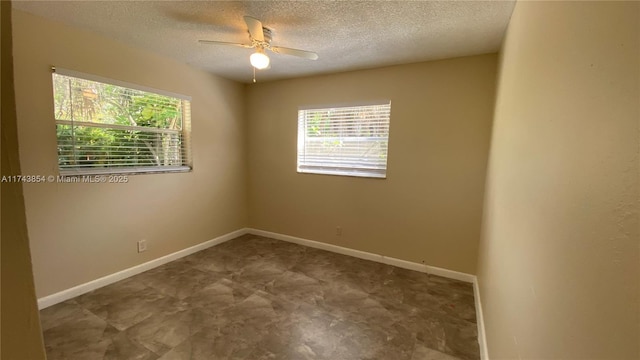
column 259, row 60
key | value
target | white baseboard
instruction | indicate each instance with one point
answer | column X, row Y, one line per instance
column 67, row 294
column 482, row 338
column 451, row 274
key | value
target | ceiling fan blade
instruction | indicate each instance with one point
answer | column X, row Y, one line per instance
column 255, row 28
column 213, row 42
column 295, row 52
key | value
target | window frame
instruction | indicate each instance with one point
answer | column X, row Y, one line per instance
column 185, row 131
column 339, row 169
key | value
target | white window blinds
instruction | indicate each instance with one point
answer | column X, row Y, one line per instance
column 348, row 140
column 105, row 128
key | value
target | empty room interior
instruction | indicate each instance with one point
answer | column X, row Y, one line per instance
column 320, row 180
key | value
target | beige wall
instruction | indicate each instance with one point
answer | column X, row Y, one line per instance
column 559, row 267
column 21, row 335
column 429, row 207
column 80, row 232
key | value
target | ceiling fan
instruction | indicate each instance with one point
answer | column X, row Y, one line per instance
column 261, row 37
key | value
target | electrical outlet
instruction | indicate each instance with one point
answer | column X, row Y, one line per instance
column 142, row 245
column 338, row 231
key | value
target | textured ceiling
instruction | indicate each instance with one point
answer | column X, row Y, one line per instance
column 347, row 35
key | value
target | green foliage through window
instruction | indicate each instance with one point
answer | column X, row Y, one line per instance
column 105, row 126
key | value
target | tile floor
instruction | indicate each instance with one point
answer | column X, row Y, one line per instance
column 258, row 298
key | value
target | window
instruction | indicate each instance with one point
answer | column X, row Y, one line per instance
column 106, row 126
column 347, row 140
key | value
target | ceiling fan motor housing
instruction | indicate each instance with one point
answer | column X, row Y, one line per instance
column 267, row 35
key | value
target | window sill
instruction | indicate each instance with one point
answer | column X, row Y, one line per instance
column 126, row 171
column 349, row 173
